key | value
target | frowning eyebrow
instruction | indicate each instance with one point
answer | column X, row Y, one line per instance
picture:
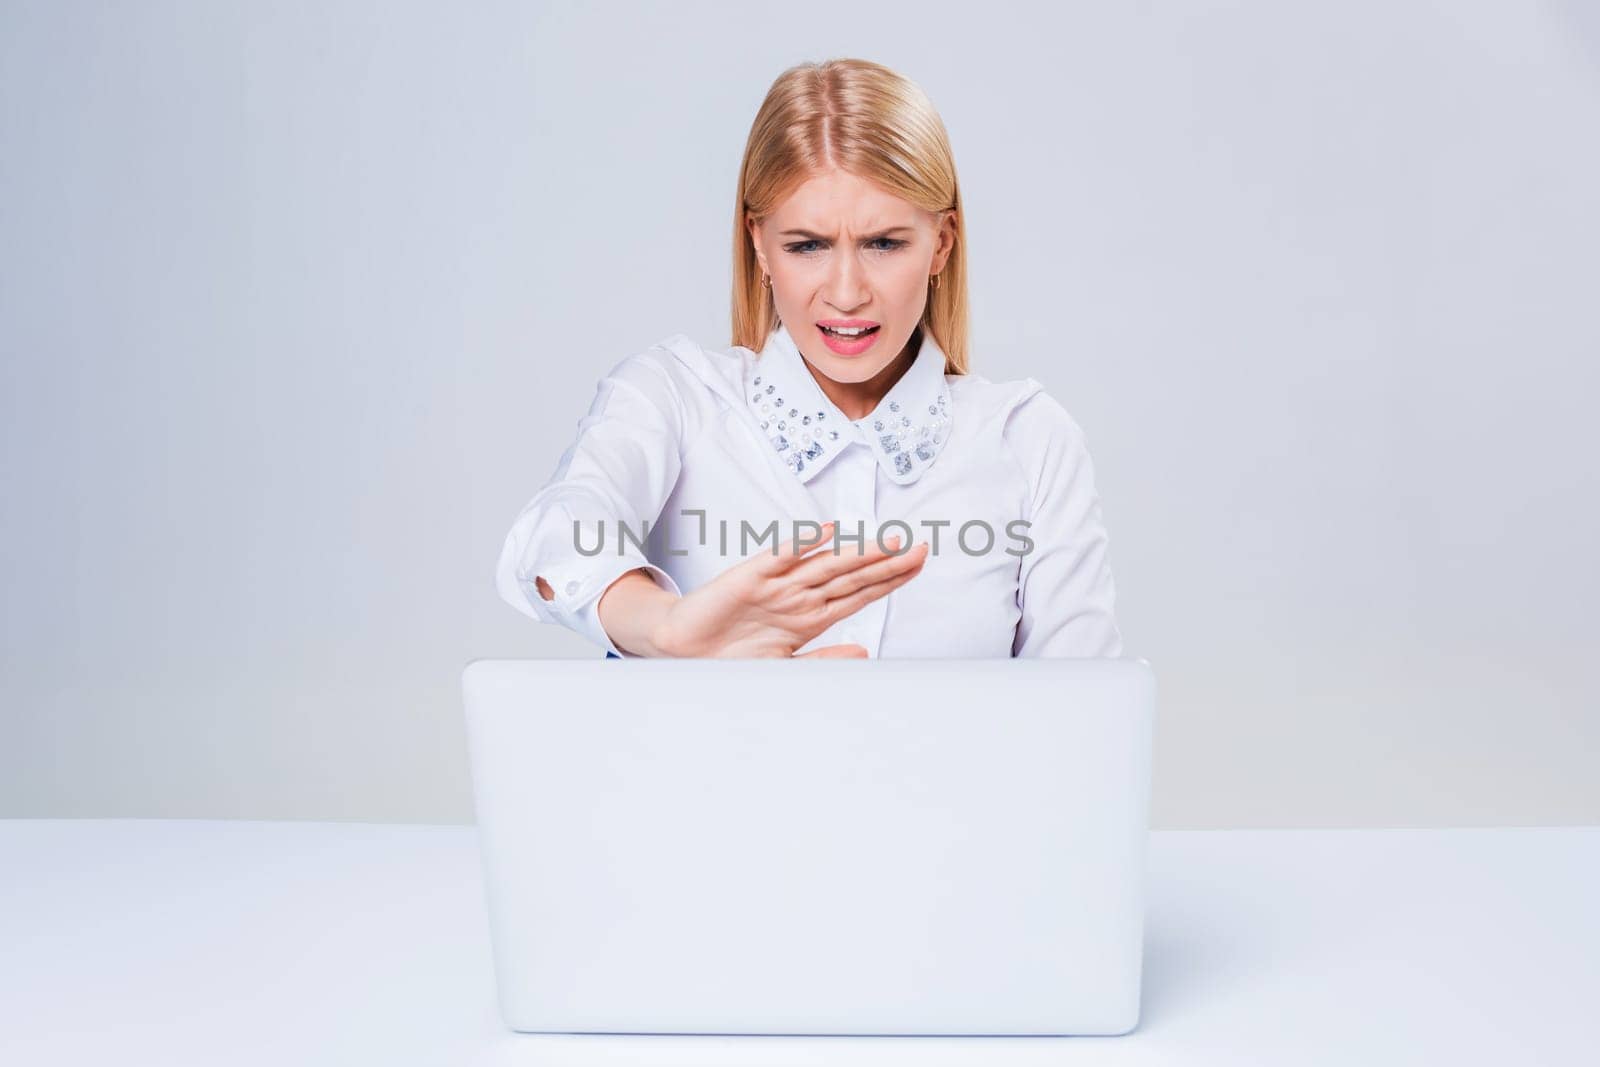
column 819, row 237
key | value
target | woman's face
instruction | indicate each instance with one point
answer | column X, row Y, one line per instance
column 844, row 252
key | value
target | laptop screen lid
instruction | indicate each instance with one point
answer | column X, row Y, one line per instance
column 897, row 846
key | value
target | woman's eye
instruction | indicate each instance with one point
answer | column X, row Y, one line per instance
column 878, row 244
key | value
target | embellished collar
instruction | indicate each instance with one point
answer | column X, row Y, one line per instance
column 906, row 431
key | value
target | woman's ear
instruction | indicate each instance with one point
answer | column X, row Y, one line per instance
column 755, row 242
column 946, row 242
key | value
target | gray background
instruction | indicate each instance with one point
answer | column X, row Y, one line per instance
column 300, row 303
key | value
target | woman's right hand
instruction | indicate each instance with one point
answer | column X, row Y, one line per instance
column 771, row 605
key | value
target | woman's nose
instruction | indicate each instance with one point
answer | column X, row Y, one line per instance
column 846, row 288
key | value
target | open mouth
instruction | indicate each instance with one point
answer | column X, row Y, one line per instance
column 848, row 335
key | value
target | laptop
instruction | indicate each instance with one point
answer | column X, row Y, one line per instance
column 804, row 846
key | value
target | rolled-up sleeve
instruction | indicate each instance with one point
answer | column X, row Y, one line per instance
column 582, row 530
column 1065, row 590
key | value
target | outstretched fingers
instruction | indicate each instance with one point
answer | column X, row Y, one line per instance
column 868, row 586
column 820, row 568
column 791, row 553
column 834, row 581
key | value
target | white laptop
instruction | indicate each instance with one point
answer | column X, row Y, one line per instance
column 803, row 846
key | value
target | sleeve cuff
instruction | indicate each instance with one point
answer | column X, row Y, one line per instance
column 577, row 595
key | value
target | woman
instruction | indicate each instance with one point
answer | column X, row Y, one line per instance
column 842, row 420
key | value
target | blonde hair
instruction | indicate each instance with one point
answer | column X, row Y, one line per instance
column 868, row 121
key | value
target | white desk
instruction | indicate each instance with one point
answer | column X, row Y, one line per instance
column 240, row 943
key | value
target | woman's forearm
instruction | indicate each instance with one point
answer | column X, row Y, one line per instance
column 631, row 609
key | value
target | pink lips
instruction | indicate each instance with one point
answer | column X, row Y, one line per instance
column 849, row 346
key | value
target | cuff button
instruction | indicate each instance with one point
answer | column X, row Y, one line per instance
column 572, row 588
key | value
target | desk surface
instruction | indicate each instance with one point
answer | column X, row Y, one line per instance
column 202, row 942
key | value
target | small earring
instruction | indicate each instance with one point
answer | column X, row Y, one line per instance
column 933, row 280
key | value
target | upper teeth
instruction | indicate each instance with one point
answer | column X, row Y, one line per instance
column 848, row 331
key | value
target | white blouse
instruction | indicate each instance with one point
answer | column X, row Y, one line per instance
column 692, row 459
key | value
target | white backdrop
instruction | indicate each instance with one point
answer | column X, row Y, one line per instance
column 299, row 304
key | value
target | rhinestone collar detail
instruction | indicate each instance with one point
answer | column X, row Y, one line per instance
column 906, row 431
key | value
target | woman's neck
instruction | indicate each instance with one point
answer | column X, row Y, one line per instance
column 857, row 400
